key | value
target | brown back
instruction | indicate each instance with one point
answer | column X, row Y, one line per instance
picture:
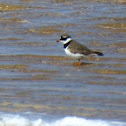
column 76, row 47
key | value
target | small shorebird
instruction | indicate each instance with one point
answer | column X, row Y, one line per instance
column 75, row 49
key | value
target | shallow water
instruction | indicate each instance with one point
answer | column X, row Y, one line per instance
column 39, row 82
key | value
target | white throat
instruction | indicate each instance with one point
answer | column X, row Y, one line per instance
column 67, row 40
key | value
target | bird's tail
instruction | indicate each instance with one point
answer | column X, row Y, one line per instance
column 99, row 53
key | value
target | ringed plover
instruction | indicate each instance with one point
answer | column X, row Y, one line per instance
column 75, row 49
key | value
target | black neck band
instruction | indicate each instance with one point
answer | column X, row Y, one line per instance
column 65, row 45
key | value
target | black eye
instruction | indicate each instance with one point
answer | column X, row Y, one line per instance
column 63, row 38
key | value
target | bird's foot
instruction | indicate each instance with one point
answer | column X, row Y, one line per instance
column 78, row 64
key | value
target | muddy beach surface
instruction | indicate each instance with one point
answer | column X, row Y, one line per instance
column 36, row 75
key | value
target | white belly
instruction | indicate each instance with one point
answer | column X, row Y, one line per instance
column 76, row 55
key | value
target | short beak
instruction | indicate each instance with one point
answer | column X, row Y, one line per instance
column 58, row 40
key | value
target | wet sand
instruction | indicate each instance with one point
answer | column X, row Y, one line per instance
column 37, row 76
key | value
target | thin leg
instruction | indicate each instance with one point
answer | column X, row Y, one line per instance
column 79, row 63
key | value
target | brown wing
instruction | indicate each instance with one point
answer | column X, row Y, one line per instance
column 76, row 47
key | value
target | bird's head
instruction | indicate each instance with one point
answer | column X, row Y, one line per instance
column 64, row 38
